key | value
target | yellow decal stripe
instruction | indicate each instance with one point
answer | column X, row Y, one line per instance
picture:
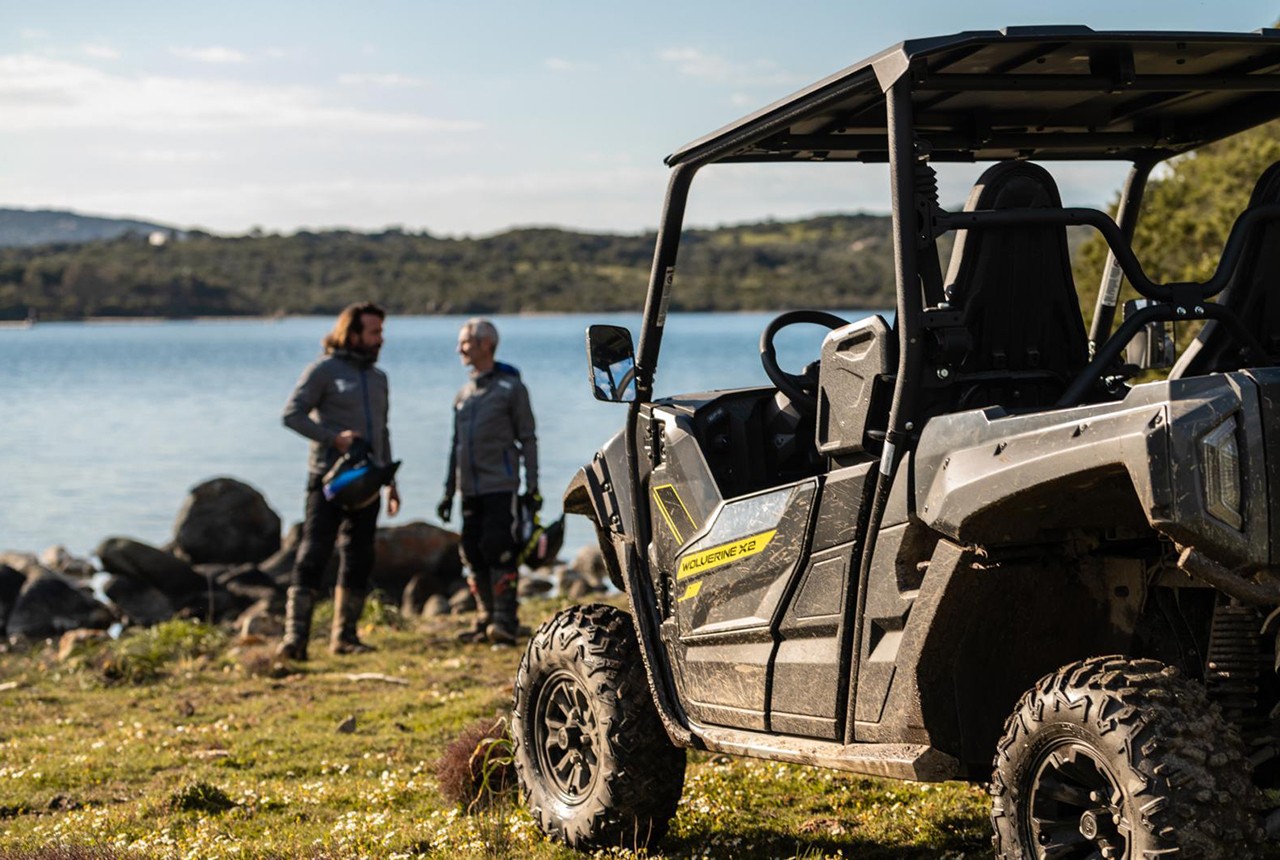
column 677, row 516
column 699, row 563
column 691, row 591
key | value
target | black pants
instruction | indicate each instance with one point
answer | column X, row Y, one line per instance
column 326, row 523
column 489, row 542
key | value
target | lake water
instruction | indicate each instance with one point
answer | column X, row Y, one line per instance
column 106, row 427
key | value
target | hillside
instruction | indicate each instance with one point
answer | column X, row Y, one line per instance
column 828, row 261
column 26, row 227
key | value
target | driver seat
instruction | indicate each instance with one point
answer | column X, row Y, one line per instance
column 1251, row 294
column 1018, row 299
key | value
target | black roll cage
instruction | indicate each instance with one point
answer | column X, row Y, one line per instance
column 901, row 83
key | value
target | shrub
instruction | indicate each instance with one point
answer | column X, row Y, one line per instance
column 477, row 769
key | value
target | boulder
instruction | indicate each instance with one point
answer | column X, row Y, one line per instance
column 169, row 574
column 49, row 604
column 280, row 565
column 589, row 565
column 462, row 600
column 226, row 521
column 414, row 548
column 260, row 620
column 11, row 582
column 59, row 560
column 248, row 582
column 435, row 606
column 534, row 586
column 25, row 563
column 142, row 603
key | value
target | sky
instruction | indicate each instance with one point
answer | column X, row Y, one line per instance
column 460, row 118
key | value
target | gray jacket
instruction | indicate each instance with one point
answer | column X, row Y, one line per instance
column 340, row 391
column 493, row 431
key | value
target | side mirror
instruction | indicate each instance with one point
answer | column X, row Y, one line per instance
column 612, row 360
column 1152, row 347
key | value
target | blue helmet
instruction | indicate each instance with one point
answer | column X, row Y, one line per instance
column 355, row 480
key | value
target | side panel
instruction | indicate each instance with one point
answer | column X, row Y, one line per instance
column 729, row 585
column 806, row 673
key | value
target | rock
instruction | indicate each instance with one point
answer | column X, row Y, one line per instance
column 24, row 562
column 533, row 586
column 142, row 603
column 11, row 582
column 462, row 600
column 247, row 582
column 169, row 574
column 57, row 559
column 210, row 605
column 74, row 641
column 260, row 621
column 415, row 595
column 435, row 606
column 590, row 567
column 280, row 565
column 49, row 604
column 414, row 548
column 571, row 584
column 347, row 726
column 226, row 521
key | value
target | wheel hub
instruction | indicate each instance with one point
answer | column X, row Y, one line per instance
column 565, row 738
column 1075, row 805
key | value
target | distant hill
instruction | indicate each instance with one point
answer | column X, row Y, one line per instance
column 23, row 227
column 830, row 261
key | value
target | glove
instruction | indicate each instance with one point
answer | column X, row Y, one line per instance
column 444, row 510
column 533, row 501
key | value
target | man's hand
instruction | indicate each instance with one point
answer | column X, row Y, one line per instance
column 393, row 501
column 533, row 501
column 444, row 510
column 344, row 440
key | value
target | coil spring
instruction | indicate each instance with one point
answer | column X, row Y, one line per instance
column 1235, row 664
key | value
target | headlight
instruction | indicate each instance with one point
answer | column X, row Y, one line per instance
column 1220, row 460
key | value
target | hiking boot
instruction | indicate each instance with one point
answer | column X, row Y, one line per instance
column 347, row 606
column 301, row 602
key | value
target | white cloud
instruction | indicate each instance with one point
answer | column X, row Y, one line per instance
column 100, row 52
column 742, row 100
column 215, row 54
column 388, row 80
column 43, row 93
column 695, row 63
column 166, row 156
column 558, row 64
column 30, row 34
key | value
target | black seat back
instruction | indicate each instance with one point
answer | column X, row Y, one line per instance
column 1015, row 289
column 1253, row 293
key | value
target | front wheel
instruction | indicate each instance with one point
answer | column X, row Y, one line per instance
column 1122, row 760
column 595, row 764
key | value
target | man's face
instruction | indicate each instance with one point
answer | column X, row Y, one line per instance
column 474, row 351
column 369, row 340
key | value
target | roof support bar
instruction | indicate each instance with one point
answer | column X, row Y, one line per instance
column 1104, row 312
column 660, row 279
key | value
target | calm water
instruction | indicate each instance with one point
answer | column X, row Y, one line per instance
column 106, row 426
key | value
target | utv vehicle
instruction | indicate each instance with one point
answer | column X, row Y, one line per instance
column 968, row 532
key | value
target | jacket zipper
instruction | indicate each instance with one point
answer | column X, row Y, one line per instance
column 368, row 413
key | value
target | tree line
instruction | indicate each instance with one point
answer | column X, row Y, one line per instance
column 829, row 261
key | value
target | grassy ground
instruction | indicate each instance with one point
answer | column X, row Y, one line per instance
column 180, row 743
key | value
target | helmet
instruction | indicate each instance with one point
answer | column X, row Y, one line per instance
column 355, row 480
column 541, row 544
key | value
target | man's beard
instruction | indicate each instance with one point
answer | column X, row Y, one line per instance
column 369, row 352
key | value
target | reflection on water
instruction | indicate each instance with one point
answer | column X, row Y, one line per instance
column 106, row 427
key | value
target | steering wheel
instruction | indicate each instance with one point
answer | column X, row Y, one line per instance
column 800, row 388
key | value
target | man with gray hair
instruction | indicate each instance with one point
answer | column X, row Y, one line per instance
column 493, row 432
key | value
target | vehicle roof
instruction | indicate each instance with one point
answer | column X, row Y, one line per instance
column 1045, row 93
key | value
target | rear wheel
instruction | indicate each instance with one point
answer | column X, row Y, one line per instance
column 595, row 763
column 1121, row 760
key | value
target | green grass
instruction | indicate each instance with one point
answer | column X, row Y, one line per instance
column 179, row 742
